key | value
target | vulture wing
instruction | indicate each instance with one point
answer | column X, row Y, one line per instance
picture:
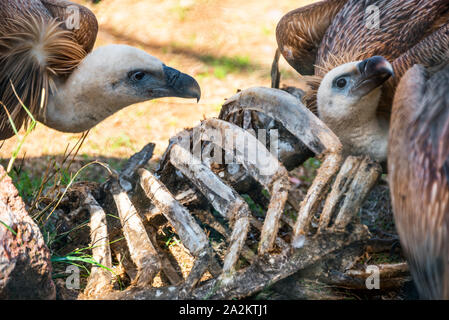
column 85, row 29
column 418, row 161
column 41, row 43
column 432, row 122
column 300, row 33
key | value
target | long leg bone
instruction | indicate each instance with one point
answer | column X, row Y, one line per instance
column 339, row 188
column 100, row 279
column 142, row 251
column 224, row 199
column 364, row 180
column 191, row 235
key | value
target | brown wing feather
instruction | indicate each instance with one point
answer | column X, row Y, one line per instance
column 432, row 52
column 86, row 33
column 35, row 53
column 419, row 184
column 300, row 32
column 433, row 119
column 399, row 29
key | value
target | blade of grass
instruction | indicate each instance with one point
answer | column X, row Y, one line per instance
column 80, row 259
column 28, row 131
column 8, row 227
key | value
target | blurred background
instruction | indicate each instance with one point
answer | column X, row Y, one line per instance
column 225, row 44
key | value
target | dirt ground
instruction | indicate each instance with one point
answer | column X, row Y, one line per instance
column 225, row 44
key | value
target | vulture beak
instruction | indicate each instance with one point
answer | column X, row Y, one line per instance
column 373, row 72
column 181, row 85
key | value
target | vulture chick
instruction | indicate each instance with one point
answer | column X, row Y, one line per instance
column 318, row 38
column 418, row 165
column 348, row 97
column 46, row 66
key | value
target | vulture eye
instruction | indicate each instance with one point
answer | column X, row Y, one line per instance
column 137, row 75
column 341, row 83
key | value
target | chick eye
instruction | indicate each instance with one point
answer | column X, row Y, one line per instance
column 137, row 76
column 341, row 83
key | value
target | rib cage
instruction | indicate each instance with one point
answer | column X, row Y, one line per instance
column 257, row 250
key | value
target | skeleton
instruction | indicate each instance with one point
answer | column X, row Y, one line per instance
column 192, row 170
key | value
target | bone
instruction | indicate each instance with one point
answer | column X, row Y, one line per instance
column 364, row 180
column 305, row 126
column 207, row 218
column 264, row 168
column 268, row 266
column 314, row 195
column 142, row 251
column 265, row 269
column 390, row 276
column 386, row 270
column 292, row 114
column 279, row 195
column 189, row 232
column 259, row 226
column 339, row 188
column 223, row 198
column 137, row 160
column 100, row 279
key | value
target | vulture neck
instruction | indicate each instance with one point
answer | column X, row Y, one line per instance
column 361, row 131
column 77, row 105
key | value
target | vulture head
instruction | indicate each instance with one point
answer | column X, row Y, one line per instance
column 347, row 100
column 109, row 79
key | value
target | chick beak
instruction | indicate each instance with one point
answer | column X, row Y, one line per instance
column 374, row 72
column 181, row 85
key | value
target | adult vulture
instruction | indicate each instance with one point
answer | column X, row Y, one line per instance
column 47, row 66
column 418, row 165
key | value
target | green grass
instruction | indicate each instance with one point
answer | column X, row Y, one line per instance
column 180, row 11
column 79, row 256
column 253, row 206
column 172, row 241
column 121, row 141
column 26, row 183
column 81, row 259
column 310, row 166
column 8, row 227
column 268, row 30
column 222, row 66
column 16, row 132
